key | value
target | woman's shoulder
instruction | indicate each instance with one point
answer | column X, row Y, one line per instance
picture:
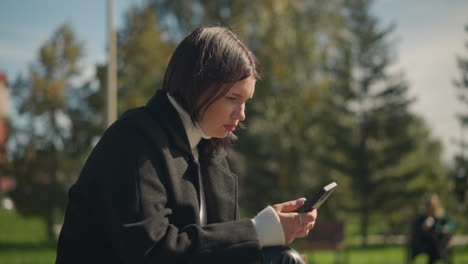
column 134, row 129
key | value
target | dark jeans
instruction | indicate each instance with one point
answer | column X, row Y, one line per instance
column 281, row 255
column 436, row 247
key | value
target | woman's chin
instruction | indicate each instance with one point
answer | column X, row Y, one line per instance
column 224, row 135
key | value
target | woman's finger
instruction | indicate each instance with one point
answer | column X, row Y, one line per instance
column 289, row 206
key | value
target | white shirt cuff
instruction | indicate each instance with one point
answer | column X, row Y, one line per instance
column 269, row 229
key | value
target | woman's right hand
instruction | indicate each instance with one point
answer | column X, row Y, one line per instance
column 295, row 225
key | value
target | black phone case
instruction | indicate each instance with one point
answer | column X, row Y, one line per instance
column 317, row 201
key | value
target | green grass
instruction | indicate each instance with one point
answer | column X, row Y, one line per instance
column 378, row 255
column 24, row 241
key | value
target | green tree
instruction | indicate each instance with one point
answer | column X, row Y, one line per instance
column 143, row 55
column 461, row 160
column 280, row 140
column 462, row 87
column 49, row 132
column 179, row 17
column 373, row 139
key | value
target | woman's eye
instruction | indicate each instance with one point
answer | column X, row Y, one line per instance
column 231, row 98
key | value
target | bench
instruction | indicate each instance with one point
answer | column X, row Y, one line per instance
column 327, row 235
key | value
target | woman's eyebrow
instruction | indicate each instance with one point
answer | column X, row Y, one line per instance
column 239, row 95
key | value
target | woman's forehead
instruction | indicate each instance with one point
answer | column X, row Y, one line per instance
column 244, row 88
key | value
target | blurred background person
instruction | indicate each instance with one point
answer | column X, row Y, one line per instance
column 431, row 232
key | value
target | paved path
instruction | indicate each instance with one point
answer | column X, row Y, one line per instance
column 401, row 239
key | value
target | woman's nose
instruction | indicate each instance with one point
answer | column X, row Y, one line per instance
column 239, row 113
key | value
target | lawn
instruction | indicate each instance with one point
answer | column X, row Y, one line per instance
column 22, row 242
column 380, row 255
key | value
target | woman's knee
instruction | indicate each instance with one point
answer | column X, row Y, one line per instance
column 281, row 255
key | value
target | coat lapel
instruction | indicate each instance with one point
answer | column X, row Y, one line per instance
column 187, row 188
column 220, row 186
column 162, row 109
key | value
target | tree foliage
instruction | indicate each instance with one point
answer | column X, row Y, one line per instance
column 280, row 139
column 53, row 128
column 371, row 136
column 143, row 55
column 460, row 169
column 462, row 85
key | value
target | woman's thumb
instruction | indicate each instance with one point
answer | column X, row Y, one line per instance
column 290, row 205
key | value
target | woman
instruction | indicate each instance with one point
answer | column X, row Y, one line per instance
column 431, row 232
column 157, row 187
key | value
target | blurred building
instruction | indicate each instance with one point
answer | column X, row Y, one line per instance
column 6, row 182
column 4, row 113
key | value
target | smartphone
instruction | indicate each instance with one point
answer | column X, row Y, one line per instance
column 317, row 200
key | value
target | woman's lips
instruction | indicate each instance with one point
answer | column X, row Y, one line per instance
column 230, row 128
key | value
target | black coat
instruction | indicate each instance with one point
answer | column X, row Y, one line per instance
column 136, row 200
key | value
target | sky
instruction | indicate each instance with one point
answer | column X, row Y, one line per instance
column 429, row 34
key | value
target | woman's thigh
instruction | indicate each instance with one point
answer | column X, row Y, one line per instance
column 281, row 255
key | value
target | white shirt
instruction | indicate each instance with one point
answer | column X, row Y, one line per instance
column 194, row 134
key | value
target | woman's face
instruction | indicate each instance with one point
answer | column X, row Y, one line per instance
column 223, row 116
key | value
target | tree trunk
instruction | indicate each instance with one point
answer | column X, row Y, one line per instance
column 364, row 225
column 49, row 221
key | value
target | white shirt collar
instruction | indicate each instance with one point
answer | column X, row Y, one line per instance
column 194, row 132
column 194, row 135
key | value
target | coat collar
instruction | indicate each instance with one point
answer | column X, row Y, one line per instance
column 192, row 129
column 162, row 109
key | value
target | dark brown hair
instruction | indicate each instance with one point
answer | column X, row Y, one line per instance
column 203, row 68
